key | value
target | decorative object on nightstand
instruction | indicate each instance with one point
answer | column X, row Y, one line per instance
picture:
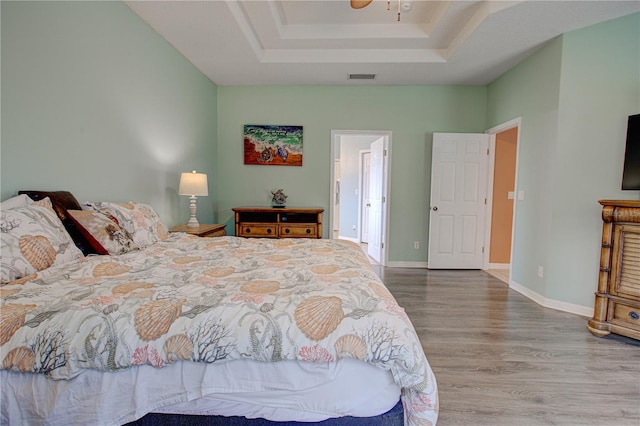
column 193, row 184
column 202, row 230
column 279, row 199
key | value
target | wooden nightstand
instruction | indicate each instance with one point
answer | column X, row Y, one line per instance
column 204, row 230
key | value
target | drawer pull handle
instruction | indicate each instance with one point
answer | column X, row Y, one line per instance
column 269, row 231
column 308, row 231
column 286, row 230
column 248, row 230
column 634, row 315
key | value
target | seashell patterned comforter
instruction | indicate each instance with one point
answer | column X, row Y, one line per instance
column 191, row 299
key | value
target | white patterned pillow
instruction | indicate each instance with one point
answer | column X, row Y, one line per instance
column 17, row 201
column 140, row 220
column 33, row 239
column 103, row 232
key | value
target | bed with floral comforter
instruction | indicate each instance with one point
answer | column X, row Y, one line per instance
column 211, row 300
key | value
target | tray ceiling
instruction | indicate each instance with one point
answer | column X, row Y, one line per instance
column 304, row 42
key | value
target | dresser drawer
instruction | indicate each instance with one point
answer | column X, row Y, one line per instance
column 625, row 315
column 299, row 230
column 259, row 230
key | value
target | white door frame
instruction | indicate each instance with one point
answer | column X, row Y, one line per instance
column 516, row 122
column 335, row 143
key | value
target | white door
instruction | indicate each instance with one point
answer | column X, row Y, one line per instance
column 457, row 210
column 376, row 165
column 364, row 195
column 336, row 198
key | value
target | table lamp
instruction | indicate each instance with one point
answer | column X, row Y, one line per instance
column 193, row 184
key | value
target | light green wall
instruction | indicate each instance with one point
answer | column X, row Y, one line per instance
column 573, row 96
column 530, row 90
column 599, row 89
column 411, row 113
column 94, row 101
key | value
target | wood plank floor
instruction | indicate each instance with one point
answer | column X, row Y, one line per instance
column 501, row 359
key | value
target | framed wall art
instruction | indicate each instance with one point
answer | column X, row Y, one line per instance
column 272, row 145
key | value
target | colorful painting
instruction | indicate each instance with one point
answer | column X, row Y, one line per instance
column 273, row 145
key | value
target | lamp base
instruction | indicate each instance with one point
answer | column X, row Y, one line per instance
column 193, row 221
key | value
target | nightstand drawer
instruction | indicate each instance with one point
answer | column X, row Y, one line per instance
column 298, row 230
column 259, row 230
column 625, row 315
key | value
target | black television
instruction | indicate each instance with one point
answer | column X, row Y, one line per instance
column 631, row 171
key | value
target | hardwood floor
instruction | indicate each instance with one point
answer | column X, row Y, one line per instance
column 501, row 274
column 501, row 359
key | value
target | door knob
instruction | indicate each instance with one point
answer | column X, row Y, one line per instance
column 434, row 208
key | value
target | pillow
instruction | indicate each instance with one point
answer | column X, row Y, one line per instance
column 17, row 201
column 140, row 220
column 103, row 232
column 32, row 239
column 63, row 201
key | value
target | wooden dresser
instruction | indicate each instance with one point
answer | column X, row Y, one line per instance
column 271, row 222
column 617, row 305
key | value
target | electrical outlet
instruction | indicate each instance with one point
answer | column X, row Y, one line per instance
column 416, row 245
column 540, row 271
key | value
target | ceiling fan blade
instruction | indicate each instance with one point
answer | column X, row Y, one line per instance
column 359, row 4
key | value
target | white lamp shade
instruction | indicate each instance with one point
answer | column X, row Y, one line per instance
column 193, row 184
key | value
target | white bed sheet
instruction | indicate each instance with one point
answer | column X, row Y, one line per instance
column 287, row 390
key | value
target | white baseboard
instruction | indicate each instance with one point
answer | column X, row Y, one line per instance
column 499, row 266
column 407, row 264
column 584, row 311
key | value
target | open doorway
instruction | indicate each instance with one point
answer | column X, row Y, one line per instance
column 501, row 199
column 352, row 154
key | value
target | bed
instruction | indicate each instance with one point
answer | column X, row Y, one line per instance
column 127, row 323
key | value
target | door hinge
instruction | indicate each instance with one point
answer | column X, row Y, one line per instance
column 384, row 152
column 487, row 151
column 384, row 199
column 381, row 245
column 485, row 201
column 483, row 249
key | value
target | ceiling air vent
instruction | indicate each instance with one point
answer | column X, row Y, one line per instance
column 362, row 76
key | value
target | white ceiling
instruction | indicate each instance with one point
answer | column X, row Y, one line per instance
column 303, row 42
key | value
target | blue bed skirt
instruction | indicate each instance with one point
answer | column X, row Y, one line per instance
column 393, row 417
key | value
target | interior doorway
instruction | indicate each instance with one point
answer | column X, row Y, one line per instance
column 354, row 152
column 502, row 197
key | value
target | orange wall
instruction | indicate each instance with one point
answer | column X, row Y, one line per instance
column 502, row 207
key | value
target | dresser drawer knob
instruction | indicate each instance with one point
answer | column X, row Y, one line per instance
column 287, row 231
column 248, row 230
column 308, row 231
column 269, row 231
column 634, row 315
